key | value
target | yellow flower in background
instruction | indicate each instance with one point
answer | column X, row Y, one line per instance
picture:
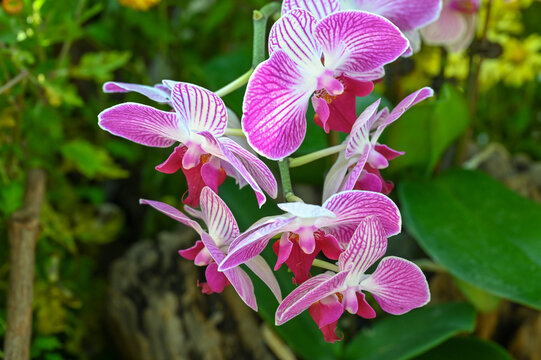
column 521, row 60
column 142, row 5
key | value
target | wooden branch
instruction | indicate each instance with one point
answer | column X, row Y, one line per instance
column 23, row 235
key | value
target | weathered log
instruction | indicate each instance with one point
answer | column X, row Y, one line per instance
column 23, row 235
column 156, row 311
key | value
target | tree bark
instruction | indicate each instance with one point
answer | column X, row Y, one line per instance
column 23, row 235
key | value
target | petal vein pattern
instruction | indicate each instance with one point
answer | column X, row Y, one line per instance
column 356, row 42
column 275, row 105
column 200, row 109
column 294, row 34
column 319, row 9
column 221, row 223
column 141, row 124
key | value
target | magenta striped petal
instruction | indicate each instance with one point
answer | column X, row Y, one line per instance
column 156, row 93
column 319, row 9
column 360, row 132
column 255, row 167
column 353, row 175
column 260, row 267
column 243, row 286
column 142, row 124
column 398, row 286
column 221, row 223
column 201, row 109
column 275, row 105
column 367, row 245
column 238, row 165
column 294, row 34
column 355, row 42
column 406, row 104
column 238, row 277
column 406, row 14
column 307, row 293
column 172, row 213
column 354, row 205
column 252, row 242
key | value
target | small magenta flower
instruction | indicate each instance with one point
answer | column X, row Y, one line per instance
column 397, row 284
column 211, row 250
column 455, row 27
column 306, row 229
column 324, row 58
column 198, row 123
column 357, row 167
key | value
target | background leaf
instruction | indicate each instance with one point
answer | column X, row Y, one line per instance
column 466, row 348
column 479, row 230
column 402, row 337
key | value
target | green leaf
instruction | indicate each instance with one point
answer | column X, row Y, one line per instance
column 43, row 344
column 90, row 160
column 99, row 66
column 482, row 300
column 466, row 348
column 405, row 336
column 482, row 232
column 425, row 131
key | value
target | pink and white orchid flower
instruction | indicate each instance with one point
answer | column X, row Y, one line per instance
column 307, row 56
column 397, row 284
column 198, row 123
column 306, row 229
column 408, row 15
column 211, row 250
column 455, row 28
column 357, row 167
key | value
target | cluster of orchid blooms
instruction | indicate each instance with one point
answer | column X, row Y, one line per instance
column 323, row 52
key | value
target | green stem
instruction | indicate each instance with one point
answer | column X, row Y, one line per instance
column 235, row 84
column 316, row 155
column 260, row 18
column 234, row 132
column 287, row 189
column 325, row 265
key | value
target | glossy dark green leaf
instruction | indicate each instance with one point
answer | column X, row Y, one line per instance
column 405, row 336
column 466, row 348
column 479, row 230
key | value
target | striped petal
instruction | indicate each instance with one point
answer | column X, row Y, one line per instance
column 202, row 110
column 406, row 14
column 252, row 242
column 367, row 245
column 172, row 213
column 406, row 104
column 142, row 124
column 255, row 167
column 319, row 9
column 353, row 206
column 221, row 223
column 260, row 267
column 238, row 277
column 398, row 286
column 309, row 292
column 360, row 132
column 355, row 42
column 293, row 34
column 275, row 105
column 353, row 175
column 157, row 93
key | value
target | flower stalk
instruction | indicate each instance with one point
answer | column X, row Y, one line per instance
column 260, row 18
column 287, row 189
column 325, row 265
column 235, row 84
column 316, row 155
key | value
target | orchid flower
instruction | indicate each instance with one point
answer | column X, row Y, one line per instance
column 397, row 284
column 306, row 229
column 455, row 28
column 357, row 167
column 211, row 250
column 159, row 93
column 342, row 50
column 198, row 123
column 408, row 15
